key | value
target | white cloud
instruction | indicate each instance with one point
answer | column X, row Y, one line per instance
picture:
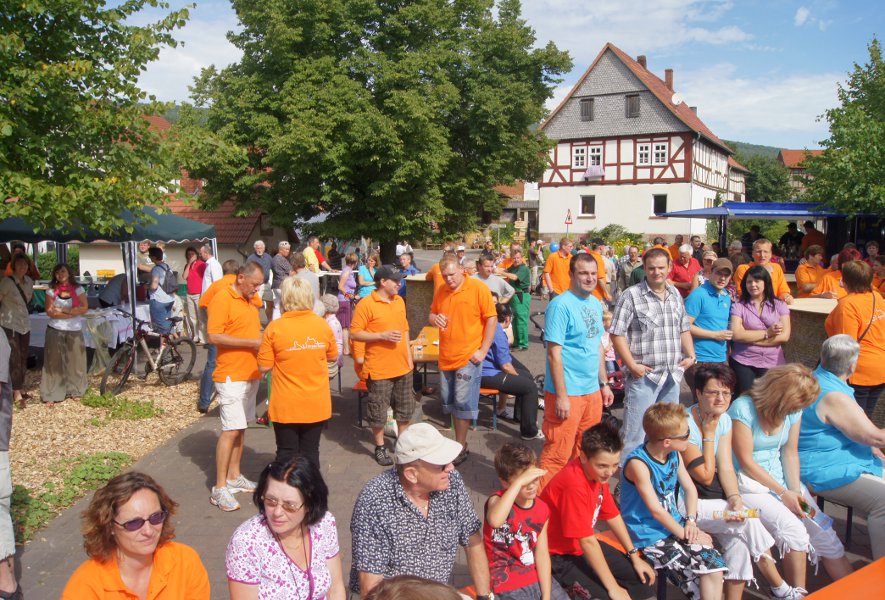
column 801, row 17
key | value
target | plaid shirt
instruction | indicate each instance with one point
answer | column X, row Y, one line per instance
column 653, row 328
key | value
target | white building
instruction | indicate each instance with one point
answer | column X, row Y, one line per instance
column 628, row 149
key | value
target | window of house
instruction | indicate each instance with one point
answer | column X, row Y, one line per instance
column 586, row 109
column 632, row 106
column 643, row 154
column 659, row 204
column 596, row 155
column 588, row 206
column 660, row 154
column 579, row 157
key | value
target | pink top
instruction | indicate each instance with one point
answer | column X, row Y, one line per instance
column 195, row 277
column 751, row 354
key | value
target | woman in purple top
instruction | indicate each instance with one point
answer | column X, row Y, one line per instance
column 761, row 326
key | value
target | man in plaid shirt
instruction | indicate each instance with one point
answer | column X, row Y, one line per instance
column 652, row 335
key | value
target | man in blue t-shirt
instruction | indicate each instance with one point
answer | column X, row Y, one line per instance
column 708, row 308
column 575, row 386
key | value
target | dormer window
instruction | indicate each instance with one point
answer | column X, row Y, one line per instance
column 586, row 109
column 631, row 106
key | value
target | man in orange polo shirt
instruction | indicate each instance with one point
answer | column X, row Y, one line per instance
column 556, row 269
column 433, row 273
column 235, row 328
column 762, row 257
column 380, row 321
column 674, row 249
column 464, row 311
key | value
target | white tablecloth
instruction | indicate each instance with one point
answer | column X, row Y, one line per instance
column 121, row 323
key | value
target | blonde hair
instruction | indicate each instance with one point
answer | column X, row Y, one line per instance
column 296, row 294
column 447, row 260
column 663, row 420
column 783, row 390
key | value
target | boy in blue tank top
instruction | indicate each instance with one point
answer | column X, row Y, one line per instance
column 653, row 478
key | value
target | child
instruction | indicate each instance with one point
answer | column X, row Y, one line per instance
column 515, row 531
column 611, row 364
column 330, row 303
column 653, row 473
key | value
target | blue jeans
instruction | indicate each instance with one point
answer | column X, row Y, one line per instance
column 639, row 395
column 207, row 386
column 160, row 313
column 459, row 391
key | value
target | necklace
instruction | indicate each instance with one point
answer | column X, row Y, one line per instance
column 290, row 560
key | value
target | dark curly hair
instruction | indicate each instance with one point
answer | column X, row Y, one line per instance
column 300, row 473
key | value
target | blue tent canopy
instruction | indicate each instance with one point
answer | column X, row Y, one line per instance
column 773, row 211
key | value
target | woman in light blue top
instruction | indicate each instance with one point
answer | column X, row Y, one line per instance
column 765, row 437
column 839, row 445
column 366, row 276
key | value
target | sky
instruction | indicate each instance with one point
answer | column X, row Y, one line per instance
column 759, row 71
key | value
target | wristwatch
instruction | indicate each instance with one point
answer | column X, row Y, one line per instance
column 489, row 596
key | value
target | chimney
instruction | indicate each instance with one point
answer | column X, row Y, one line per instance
column 694, row 109
column 641, row 60
column 668, row 78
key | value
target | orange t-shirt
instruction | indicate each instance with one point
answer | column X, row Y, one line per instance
column 674, row 252
column 178, row 573
column 436, row 275
column 851, row 316
column 830, row 283
column 806, row 275
column 778, row 281
column 231, row 314
column 226, row 281
column 598, row 291
column 557, row 265
column 505, row 264
column 468, row 308
column 384, row 360
column 298, row 346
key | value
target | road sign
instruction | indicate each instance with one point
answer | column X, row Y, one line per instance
column 568, row 217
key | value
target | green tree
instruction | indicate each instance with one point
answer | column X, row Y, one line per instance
column 387, row 115
column 848, row 175
column 767, row 181
column 74, row 143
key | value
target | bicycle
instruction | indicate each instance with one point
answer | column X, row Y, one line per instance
column 172, row 361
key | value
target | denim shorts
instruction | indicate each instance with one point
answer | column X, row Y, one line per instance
column 459, row 390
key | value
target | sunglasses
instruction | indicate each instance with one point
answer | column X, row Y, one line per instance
column 677, row 437
column 135, row 524
column 270, row 502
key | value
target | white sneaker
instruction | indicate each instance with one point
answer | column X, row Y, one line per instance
column 537, row 436
column 507, row 413
column 793, row 593
column 241, row 484
column 223, row 499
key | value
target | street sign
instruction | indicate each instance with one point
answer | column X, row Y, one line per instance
column 568, row 217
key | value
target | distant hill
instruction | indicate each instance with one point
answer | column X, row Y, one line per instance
column 748, row 150
column 172, row 114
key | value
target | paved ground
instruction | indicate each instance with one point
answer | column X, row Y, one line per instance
column 185, row 467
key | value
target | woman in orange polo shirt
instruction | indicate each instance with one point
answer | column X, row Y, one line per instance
column 297, row 347
column 127, row 533
column 809, row 274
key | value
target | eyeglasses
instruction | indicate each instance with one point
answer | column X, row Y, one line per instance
column 677, row 437
column 135, row 524
column 270, row 502
column 716, row 394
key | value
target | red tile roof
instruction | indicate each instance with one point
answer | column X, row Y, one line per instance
column 792, row 159
column 514, row 192
column 157, row 123
column 737, row 166
column 657, row 87
column 229, row 229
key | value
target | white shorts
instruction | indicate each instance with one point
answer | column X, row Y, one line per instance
column 236, row 399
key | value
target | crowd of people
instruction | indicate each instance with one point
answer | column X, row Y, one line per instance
column 705, row 492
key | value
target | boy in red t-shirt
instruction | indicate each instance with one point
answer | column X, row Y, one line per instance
column 577, row 497
column 515, row 530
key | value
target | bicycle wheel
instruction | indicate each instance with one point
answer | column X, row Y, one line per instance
column 118, row 371
column 177, row 360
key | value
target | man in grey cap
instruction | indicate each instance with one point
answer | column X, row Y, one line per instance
column 410, row 520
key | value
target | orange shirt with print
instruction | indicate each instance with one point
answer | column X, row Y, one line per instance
column 830, row 282
column 298, row 346
column 558, row 267
column 806, row 275
column 373, row 314
column 467, row 308
column 851, row 316
column 177, row 572
column 778, row 281
column 232, row 314
column 226, row 281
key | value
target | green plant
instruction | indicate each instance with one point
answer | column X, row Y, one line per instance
column 47, row 260
column 617, row 236
column 118, row 408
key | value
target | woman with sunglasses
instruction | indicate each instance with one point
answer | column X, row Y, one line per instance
column 127, row 533
column 289, row 550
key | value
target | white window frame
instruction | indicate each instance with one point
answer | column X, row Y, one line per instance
column 581, row 206
column 595, row 156
column 643, row 151
column 579, row 157
column 660, row 153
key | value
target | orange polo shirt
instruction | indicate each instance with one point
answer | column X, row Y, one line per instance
column 810, row 239
column 851, row 316
column 298, row 346
column 674, row 252
column 879, row 284
column 468, row 308
column 598, row 292
column 557, row 265
column 436, row 275
column 177, row 574
column 358, row 351
column 807, row 274
column 778, row 281
column 231, row 314
column 830, row 283
column 226, row 281
column 373, row 314
column 505, row 264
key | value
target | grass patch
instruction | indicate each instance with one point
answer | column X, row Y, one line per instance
column 31, row 511
column 118, row 408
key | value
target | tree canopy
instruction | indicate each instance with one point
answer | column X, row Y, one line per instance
column 767, row 181
column 74, row 141
column 388, row 115
column 848, row 175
